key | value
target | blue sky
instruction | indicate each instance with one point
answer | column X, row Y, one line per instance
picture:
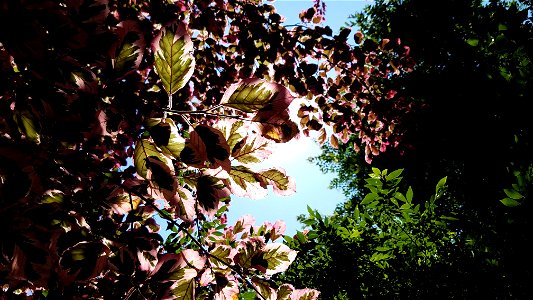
column 311, row 185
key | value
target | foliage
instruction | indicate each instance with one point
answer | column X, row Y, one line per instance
column 115, row 115
column 473, row 85
column 382, row 245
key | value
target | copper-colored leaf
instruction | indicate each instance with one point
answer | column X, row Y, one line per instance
column 129, row 48
column 206, row 147
column 209, row 192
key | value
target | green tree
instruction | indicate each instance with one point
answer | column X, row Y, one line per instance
column 471, row 91
column 389, row 245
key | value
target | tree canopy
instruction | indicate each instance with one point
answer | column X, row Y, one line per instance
column 115, row 112
column 471, row 90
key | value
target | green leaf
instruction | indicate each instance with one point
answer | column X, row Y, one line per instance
column 376, row 171
column 369, row 198
column 409, row 195
column 440, row 184
column 394, row 174
column 174, row 62
column 27, row 126
column 472, row 42
column 513, row 194
column 510, row 202
column 400, row 197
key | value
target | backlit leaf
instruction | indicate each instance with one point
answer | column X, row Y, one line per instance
column 305, row 294
column 510, row 202
column 243, row 183
column 252, row 149
column 28, row 126
column 513, row 194
column 251, row 95
column 278, row 257
column 143, row 150
column 206, row 147
column 129, row 48
column 165, row 134
column 281, row 184
column 209, row 192
column 174, row 62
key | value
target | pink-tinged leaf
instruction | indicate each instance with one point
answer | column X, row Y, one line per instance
column 278, row 230
column 285, row 291
column 206, row 147
column 166, row 136
column 305, row 294
column 185, row 285
column 278, row 257
column 160, row 174
column 244, row 223
column 243, row 183
column 207, row 277
column 174, row 62
column 145, row 149
column 265, row 290
column 122, row 204
column 181, row 268
column 128, row 49
column 281, row 184
column 251, row 95
column 277, row 127
column 224, row 257
column 184, row 204
column 233, row 131
column 192, row 259
column 228, row 291
column 209, row 192
column 85, row 260
column 250, row 254
column 251, row 149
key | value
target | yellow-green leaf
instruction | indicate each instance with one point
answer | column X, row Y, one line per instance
column 143, row 150
column 249, row 95
column 174, row 62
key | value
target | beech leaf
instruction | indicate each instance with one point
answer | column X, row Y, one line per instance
column 206, row 145
column 281, row 184
column 27, row 126
column 251, row 150
column 145, row 149
column 209, row 192
column 166, row 135
column 129, row 48
column 174, row 62
column 243, row 183
column 278, row 257
column 251, row 95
